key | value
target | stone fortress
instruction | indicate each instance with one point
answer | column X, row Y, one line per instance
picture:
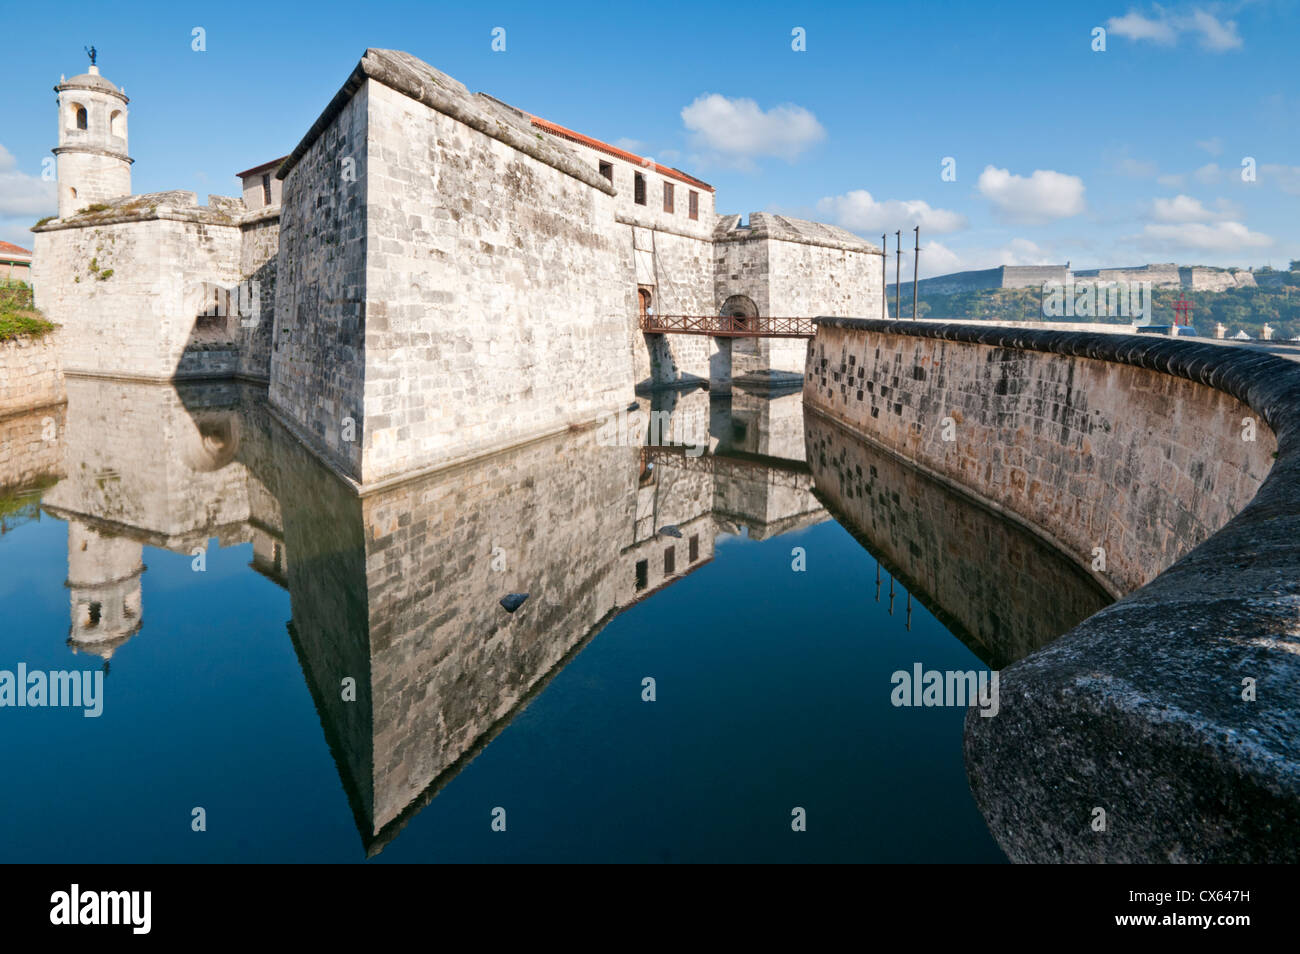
column 430, row 274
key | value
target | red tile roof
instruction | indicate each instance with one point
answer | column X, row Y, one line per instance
column 14, row 251
column 556, row 129
column 262, row 168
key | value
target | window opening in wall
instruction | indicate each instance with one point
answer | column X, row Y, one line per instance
column 668, row 196
column 670, row 560
column 642, row 574
column 607, row 170
column 266, row 188
column 638, row 188
column 694, row 203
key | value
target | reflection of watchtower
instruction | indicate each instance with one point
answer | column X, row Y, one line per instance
column 104, row 582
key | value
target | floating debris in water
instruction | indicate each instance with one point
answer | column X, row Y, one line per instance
column 512, row 601
column 670, row 531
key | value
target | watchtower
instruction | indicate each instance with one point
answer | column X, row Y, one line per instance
column 93, row 165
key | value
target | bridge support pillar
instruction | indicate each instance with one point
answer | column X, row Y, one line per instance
column 720, row 365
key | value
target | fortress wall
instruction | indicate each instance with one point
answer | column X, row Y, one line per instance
column 679, row 270
column 134, row 312
column 807, row 280
column 1133, row 444
column 318, row 347
column 31, row 373
column 1033, row 276
column 1096, row 453
column 258, row 248
column 496, row 293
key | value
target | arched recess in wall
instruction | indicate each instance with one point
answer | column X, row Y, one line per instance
column 117, row 124
column 77, row 117
column 644, row 301
column 742, row 307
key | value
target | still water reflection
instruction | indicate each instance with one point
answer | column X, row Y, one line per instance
column 308, row 666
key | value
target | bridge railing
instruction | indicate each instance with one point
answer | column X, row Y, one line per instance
column 729, row 326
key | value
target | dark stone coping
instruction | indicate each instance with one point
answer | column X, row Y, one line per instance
column 1139, row 708
column 414, row 78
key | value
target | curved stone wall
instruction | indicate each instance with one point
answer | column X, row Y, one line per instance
column 1170, row 714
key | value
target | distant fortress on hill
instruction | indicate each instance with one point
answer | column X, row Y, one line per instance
column 1169, row 275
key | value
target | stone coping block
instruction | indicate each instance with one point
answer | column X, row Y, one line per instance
column 1139, row 711
column 413, row 77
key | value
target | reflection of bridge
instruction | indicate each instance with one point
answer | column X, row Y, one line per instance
column 729, row 326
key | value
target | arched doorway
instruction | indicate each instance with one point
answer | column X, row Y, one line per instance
column 741, row 307
column 644, row 303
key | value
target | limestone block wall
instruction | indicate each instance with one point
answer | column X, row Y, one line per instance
column 497, row 298
column 678, row 270
column 31, row 373
column 317, row 353
column 259, row 247
column 1095, row 453
column 127, row 288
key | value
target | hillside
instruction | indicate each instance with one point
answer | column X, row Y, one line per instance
column 1239, row 309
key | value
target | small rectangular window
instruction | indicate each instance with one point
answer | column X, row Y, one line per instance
column 694, row 204
column 638, row 188
column 670, row 560
column 695, row 548
column 668, row 196
column 642, row 574
column 607, row 170
column 266, row 188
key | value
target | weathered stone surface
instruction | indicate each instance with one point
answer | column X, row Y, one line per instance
column 1139, row 710
column 31, row 373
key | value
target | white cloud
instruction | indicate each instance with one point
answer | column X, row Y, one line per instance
column 1216, row 34
column 1165, row 28
column 1172, row 181
column 859, row 212
column 22, row 195
column 1286, row 177
column 1134, row 26
column 1042, row 197
column 1203, row 237
column 1208, row 174
column 1137, row 168
column 1213, row 146
column 739, row 128
column 1181, row 208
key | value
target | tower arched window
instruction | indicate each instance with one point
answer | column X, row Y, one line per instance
column 117, row 123
column 79, row 116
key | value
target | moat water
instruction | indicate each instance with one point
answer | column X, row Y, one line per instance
column 707, row 647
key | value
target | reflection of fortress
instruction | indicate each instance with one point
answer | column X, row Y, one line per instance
column 399, row 589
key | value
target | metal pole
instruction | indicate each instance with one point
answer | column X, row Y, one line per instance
column 898, row 264
column 884, row 277
column 916, row 268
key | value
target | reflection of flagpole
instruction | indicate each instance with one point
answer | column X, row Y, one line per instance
column 891, row 594
column 909, row 611
column 877, row 581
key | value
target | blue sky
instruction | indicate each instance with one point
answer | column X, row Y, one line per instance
column 1061, row 152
